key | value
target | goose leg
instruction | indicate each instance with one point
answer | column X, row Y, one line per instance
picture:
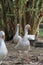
column 29, row 49
column 20, row 57
column 26, row 56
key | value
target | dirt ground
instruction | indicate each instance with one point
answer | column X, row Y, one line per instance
column 35, row 56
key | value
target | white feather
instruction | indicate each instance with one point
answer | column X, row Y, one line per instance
column 17, row 37
column 3, row 48
column 31, row 37
column 24, row 44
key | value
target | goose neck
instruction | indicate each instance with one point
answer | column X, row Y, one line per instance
column 17, row 29
column 26, row 35
column 26, row 32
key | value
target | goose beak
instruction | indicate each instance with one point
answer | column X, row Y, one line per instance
column 29, row 28
column 18, row 24
column 3, row 37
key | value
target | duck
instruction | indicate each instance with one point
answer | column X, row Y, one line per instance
column 23, row 44
column 3, row 48
column 17, row 37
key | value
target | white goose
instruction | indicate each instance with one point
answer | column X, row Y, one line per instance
column 3, row 48
column 17, row 37
column 24, row 44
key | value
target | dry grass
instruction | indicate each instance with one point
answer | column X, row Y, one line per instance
column 13, row 58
